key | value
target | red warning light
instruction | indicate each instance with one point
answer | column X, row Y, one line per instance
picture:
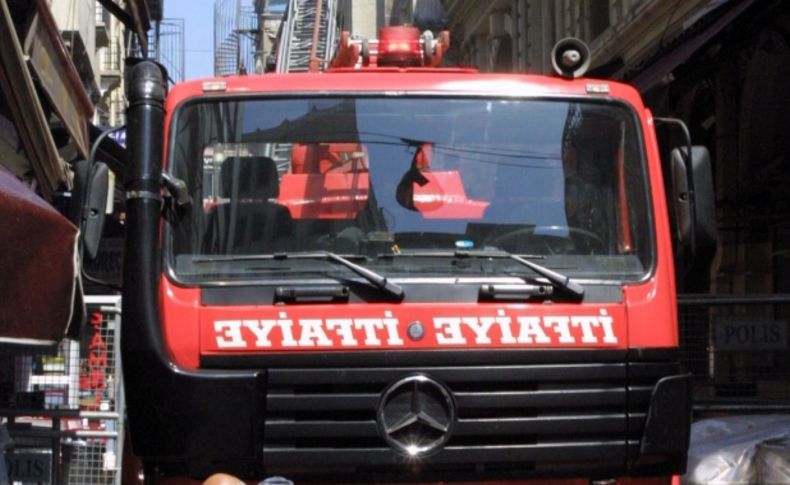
column 399, row 46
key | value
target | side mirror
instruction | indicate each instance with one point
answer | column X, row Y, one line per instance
column 89, row 203
column 694, row 200
column 404, row 192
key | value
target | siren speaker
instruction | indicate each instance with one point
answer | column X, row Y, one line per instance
column 570, row 58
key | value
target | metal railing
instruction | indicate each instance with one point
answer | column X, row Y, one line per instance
column 113, row 57
column 735, row 347
column 237, row 37
column 68, row 401
column 102, row 17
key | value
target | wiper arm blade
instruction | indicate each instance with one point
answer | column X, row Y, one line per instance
column 559, row 281
column 456, row 253
column 377, row 280
column 232, row 258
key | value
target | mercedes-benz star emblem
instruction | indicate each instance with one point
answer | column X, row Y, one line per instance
column 416, row 415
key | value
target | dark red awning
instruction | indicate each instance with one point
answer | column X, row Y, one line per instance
column 40, row 291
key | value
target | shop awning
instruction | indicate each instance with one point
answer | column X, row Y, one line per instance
column 40, row 286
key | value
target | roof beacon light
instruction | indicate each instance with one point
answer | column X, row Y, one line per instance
column 570, row 58
column 399, row 46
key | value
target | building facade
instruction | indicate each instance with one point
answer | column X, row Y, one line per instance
column 111, row 41
column 721, row 66
column 517, row 35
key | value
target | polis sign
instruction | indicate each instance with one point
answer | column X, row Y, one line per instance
column 750, row 334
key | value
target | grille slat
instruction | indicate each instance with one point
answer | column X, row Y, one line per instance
column 328, row 402
column 571, row 398
column 534, row 373
column 552, row 426
column 318, row 429
column 489, row 400
column 573, row 451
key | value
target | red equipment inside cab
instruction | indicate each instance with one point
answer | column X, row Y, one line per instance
column 331, row 181
column 392, row 272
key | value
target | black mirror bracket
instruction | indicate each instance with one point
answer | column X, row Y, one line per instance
column 177, row 196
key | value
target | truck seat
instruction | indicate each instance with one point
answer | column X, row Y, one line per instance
column 250, row 222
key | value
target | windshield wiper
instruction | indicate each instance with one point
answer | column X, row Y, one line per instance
column 378, row 281
column 559, row 281
column 228, row 258
column 372, row 277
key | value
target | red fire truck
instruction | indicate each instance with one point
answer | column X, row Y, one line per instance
column 392, row 271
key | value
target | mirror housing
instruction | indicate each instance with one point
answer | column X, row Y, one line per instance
column 89, row 204
column 693, row 200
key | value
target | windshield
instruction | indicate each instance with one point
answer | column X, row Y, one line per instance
column 403, row 183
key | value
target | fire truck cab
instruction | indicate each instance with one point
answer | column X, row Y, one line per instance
column 397, row 272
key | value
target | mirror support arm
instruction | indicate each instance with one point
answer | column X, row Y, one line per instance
column 91, row 164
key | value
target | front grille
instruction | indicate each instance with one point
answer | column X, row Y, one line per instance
column 583, row 412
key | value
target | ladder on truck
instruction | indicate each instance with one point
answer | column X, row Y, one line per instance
column 306, row 43
column 308, row 35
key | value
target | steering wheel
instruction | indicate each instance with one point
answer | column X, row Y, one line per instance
column 523, row 240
